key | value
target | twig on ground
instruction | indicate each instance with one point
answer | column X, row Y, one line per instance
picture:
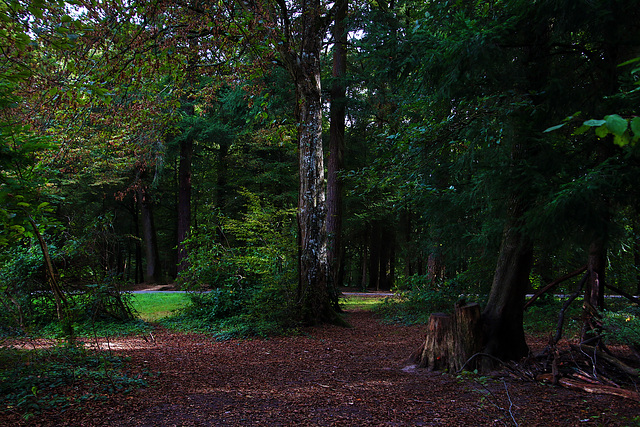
column 510, row 403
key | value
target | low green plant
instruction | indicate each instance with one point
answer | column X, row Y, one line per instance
column 226, row 313
column 249, row 267
column 542, row 317
column 623, row 326
column 419, row 300
column 32, row 381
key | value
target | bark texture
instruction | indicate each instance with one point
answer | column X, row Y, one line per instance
column 503, row 314
column 452, row 340
column 303, row 63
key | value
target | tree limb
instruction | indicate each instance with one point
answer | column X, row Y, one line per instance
column 623, row 293
column 554, row 284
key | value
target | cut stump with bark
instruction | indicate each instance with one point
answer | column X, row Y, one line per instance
column 452, row 340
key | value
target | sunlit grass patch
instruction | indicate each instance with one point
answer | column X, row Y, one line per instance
column 359, row 302
column 154, row 306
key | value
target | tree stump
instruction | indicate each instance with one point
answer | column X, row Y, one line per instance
column 451, row 340
column 434, row 352
column 467, row 335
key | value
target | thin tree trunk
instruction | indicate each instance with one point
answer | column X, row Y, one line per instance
column 58, row 295
column 636, row 258
column 374, row 257
column 154, row 271
column 184, row 200
column 335, row 252
column 363, row 267
column 139, row 274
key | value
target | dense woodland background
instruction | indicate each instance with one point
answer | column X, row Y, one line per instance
column 276, row 152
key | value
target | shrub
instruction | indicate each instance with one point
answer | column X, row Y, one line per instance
column 419, row 300
column 623, row 326
column 249, row 265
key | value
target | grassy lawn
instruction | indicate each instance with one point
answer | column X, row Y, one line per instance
column 154, row 306
column 359, row 303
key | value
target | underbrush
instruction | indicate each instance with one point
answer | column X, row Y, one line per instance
column 91, row 329
column 234, row 312
column 623, row 326
column 416, row 297
column 96, row 309
column 57, row 378
column 542, row 317
column 249, row 263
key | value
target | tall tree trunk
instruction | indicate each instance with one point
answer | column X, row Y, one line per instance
column 304, row 67
column 503, row 314
column 374, row 256
column 185, row 164
column 408, row 243
column 363, row 267
column 149, row 235
column 335, row 252
column 139, row 275
column 636, row 255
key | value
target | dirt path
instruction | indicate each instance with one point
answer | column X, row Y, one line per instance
column 329, row 376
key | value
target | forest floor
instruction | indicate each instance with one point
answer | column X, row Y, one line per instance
column 328, row 376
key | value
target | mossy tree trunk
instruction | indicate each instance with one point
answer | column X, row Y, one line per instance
column 301, row 57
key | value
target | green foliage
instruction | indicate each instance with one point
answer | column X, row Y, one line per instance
column 29, row 303
column 249, row 266
column 623, row 326
column 33, row 381
column 25, row 297
column 542, row 317
column 421, row 298
column 259, row 248
column 232, row 313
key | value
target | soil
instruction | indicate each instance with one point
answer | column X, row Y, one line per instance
column 327, row 376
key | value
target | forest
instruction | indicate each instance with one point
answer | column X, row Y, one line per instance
column 476, row 161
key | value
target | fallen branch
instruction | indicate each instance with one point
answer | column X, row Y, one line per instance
column 590, row 388
column 610, row 359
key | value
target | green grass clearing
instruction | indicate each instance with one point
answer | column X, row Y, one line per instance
column 360, row 303
column 155, row 306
